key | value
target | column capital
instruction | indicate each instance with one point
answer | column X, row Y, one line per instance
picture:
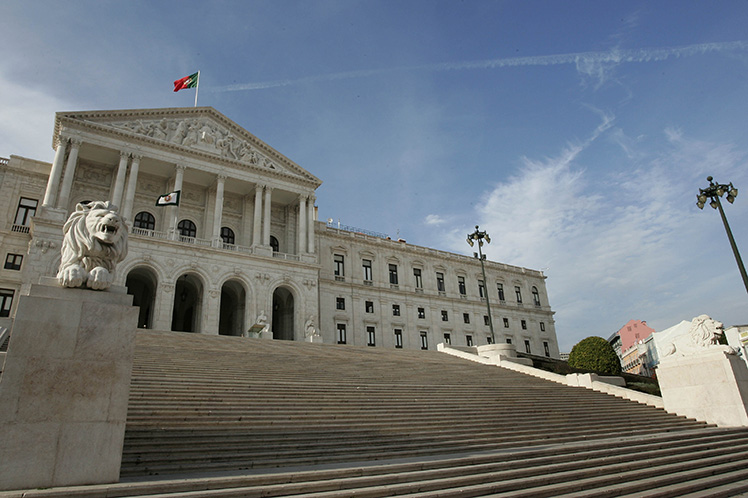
column 180, row 167
column 221, row 177
column 303, row 197
column 124, row 154
column 259, row 187
column 136, row 157
column 76, row 142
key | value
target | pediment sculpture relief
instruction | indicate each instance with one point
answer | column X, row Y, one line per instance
column 200, row 133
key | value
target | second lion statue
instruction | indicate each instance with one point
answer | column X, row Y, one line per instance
column 94, row 241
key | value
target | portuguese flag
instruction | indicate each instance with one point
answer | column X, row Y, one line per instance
column 186, row 82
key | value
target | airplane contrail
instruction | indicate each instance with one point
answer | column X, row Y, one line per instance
column 616, row 56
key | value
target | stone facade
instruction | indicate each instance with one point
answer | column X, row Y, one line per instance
column 244, row 241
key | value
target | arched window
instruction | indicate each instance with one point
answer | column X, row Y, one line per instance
column 274, row 244
column 227, row 235
column 535, row 296
column 187, row 229
column 145, row 221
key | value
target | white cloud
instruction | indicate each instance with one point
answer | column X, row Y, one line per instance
column 621, row 247
column 26, row 120
column 434, row 219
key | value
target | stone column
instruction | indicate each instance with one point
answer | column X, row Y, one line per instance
column 257, row 215
column 53, row 183
column 246, row 235
column 67, row 179
column 302, row 245
column 218, row 211
column 174, row 210
column 119, row 182
column 266, row 216
column 310, row 229
column 131, row 185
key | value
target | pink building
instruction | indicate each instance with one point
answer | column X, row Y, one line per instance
column 633, row 332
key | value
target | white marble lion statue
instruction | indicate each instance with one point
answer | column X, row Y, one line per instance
column 94, row 241
column 702, row 335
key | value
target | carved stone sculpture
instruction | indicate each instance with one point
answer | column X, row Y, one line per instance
column 309, row 329
column 703, row 335
column 94, row 241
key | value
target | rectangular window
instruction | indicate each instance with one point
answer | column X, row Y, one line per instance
column 366, row 264
column 469, row 340
column 6, row 301
column 447, row 339
column 339, row 265
column 486, row 320
column 13, row 261
column 489, row 340
column 26, row 209
column 445, row 316
column 524, row 324
column 369, row 306
column 419, row 279
column 341, row 333
column 519, row 294
column 506, row 323
column 466, row 317
column 500, row 288
column 546, row 349
column 527, row 347
column 424, row 340
column 440, row 282
column 393, row 274
column 421, row 313
column 481, row 289
column 340, row 303
column 461, row 285
column 508, row 340
column 542, row 326
column 395, row 310
column 398, row 338
column 370, row 339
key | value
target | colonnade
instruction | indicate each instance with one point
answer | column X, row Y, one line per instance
column 60, row 183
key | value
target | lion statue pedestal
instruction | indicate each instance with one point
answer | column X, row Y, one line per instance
column 66, row 381
column 699, row 378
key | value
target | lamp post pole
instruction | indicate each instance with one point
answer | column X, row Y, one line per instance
column 714, row 191
column 480, row 237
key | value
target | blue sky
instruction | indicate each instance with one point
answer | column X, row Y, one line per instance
column 576, row 133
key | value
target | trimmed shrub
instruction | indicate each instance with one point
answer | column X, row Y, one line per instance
column 595, row 354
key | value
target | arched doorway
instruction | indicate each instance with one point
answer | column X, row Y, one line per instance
column 233, row 297
column 141, row 283
column 188, row 298
column 283, row 314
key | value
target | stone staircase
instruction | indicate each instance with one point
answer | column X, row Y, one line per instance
column 232, row 417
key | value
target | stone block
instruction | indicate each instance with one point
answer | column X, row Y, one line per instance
column 64, row 391
column 710, row 387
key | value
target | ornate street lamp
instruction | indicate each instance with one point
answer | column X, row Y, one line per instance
column 714, row 191
column 480, row 237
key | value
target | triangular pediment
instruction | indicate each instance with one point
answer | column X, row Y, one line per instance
column 201, row 130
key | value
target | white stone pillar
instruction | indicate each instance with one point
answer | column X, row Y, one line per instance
column 174, row 210
column 310, row 227
column 246, row 234
column 266, row 216
column 67, row 179
column 132, row 183
column 302, row 244
column 257, row 215
column 119, row 182
column 53, row 183
column 218, row 211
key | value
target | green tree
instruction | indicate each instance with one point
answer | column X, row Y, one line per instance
column 595, row 354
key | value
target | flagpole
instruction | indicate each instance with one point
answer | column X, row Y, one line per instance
column 197, row 88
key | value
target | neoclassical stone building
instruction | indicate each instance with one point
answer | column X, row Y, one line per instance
column 244, row 242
